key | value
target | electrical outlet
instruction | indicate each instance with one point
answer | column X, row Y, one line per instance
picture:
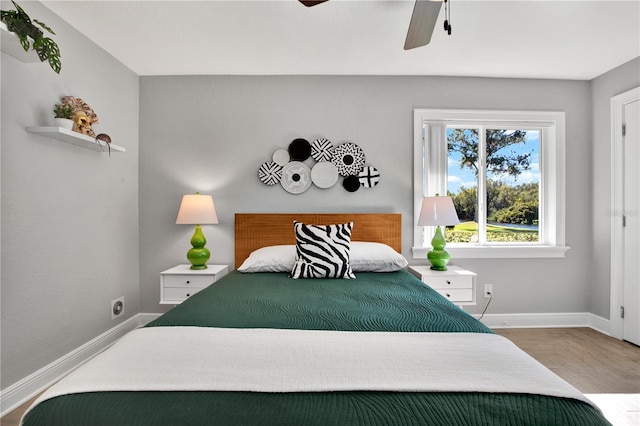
column 488, row 291
column 117, row 307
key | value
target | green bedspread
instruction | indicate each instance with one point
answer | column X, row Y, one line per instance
column 373, row 302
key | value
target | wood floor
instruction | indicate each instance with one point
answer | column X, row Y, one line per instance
column 589, row 360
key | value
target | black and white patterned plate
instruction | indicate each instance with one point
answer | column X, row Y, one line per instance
column 348, row 158
column 322, row 150
column 296, row 177
column 270, row 173
column 369, row 176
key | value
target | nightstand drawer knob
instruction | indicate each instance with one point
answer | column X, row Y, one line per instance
column 448, row 282
column 448, row 295
column 188, row 295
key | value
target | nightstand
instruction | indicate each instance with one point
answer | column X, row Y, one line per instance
column 180, row 282
column 456, row 284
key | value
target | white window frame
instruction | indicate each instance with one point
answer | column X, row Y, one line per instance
column 430, row 178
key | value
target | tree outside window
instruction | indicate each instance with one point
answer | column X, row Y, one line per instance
column 493, row 178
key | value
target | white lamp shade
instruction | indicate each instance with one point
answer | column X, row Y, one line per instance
column 438, row 211
column 197, row 209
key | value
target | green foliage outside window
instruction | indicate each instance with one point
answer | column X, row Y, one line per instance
column 506, row 204
column 509, row 204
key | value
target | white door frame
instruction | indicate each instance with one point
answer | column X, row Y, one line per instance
column 618, row 103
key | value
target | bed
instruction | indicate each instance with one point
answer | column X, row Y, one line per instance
column 262, row 348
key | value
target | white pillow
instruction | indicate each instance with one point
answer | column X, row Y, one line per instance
column 365, row 257
column 270, row 259
column 375, row 257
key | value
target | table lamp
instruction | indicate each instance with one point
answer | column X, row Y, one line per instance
column 438, row 211
column 197, row 209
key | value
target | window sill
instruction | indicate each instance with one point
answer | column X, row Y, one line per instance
column 503, row 252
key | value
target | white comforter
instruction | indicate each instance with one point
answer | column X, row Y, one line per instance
column 270, row 360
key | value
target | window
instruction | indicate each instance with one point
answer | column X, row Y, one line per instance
column 505, row 173
column 493, row 176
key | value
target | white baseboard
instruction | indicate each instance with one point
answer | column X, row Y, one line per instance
column 25, row 389
column 22, row 391
column 144, row 319
column 547, row 320
column 600, row 324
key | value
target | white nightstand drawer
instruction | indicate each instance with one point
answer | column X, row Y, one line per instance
column 188, row 280
column 449, row 282
column 457, row 295
column 178, row 294
column 180, row 282
column 456, row 284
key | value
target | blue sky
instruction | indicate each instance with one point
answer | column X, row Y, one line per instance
column 466, row 177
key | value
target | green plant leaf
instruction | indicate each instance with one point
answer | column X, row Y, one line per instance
column 21, row 13
column 17, row 26
column 40, row 47
column 46, row 48
column 8, row 14
column 48, row 51
column 19, row 23
column 55, row 64
column 43, row 25
column 24, row 41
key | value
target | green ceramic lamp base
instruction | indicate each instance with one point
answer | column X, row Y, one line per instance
column 438, row 259
column 438, row 256
column 199, row 254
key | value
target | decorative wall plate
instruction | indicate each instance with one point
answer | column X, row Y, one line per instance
column 296, row 177
column 270, row 173
column 319, row 163
column 322, row 150
column 324, row 174
column 369, row 177
column 281, row 156
column 299, row 149
column 351, row 183
column 348, row 158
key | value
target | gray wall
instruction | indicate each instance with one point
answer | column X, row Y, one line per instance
column 211, row 133
column 603, row 88
column 70, row 232
column 69, row 215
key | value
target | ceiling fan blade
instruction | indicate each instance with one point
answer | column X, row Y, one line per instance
column 423, row 20
column 310, row 3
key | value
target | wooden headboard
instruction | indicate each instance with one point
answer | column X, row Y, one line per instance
column 256, row 230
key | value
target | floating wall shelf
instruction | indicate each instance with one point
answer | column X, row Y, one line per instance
column 11, row 46
column 75, row 138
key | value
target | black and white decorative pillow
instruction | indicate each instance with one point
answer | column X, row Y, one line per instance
column 322, row 251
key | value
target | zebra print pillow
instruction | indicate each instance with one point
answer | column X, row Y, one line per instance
column 322, row 251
